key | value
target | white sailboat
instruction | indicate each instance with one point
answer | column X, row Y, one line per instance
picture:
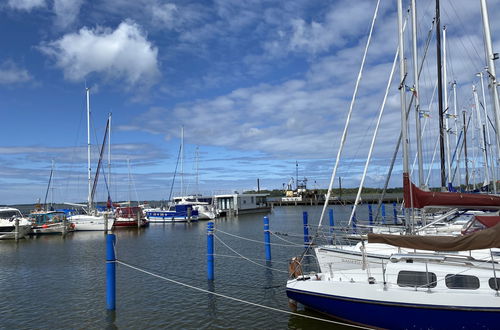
column 92, row 220
column 411, row 281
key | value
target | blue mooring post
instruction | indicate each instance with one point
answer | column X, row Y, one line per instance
column 395, row 212
column 267, row 238
column 210, row 251
column 370, row 214
column 110, row 272
column 354, row 221
column 306, row 229
column 332, row 224
column 383, row 213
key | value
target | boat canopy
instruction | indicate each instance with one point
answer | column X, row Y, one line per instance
column 417, row 198
column 483, row 239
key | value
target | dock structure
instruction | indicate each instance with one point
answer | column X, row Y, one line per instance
column 345, row 200
column 234, row 204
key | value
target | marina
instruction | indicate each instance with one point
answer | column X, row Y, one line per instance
column 72, row 272
column 260, row 165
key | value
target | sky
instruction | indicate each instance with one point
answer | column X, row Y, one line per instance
column 259, row 86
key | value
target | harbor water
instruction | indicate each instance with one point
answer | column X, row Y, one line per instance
column 55, row 282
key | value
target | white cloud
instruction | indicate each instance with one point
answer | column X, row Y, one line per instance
column 121, row 54
column 66, row 11
column 164, row 14
column 26, row 4
column 10, row 73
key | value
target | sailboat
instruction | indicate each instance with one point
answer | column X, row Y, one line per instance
column 418, row 281
column 92, row 220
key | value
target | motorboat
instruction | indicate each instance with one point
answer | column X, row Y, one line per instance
column 175, row 213
column 9, row 218
column 130, row 216
column 50, row 222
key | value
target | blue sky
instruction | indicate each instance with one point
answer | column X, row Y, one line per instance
column 257, row 85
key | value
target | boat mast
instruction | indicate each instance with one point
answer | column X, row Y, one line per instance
column 455, row 115
column 182, row 160
column 404, row 130
column 483, row 138
column 466, row 159
column 89, row 201
column 491, row 158
column 440, row 96
column 416, row 92
column 491, row 57
column 109, row 152
column 446, row 114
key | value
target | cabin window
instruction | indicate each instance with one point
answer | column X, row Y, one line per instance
column 466, row 282
column 408, row 278
column 493, row 285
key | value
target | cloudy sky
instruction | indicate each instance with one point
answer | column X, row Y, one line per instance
column 258, row 86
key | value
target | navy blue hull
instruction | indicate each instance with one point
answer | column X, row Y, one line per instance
column 397, row 316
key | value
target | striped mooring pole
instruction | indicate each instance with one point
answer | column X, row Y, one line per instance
column 210, row 251
column 110, row 272
column 267, row 239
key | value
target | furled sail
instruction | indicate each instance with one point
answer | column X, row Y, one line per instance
column 483, row 239
column 417, row 198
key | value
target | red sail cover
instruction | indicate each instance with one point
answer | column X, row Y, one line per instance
column 420, row 199
column 488, row 220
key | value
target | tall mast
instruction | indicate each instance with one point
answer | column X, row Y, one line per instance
column 182, row 161
column 466, row 159
column 446, row 113
column 491, row 154
column 109, row 152
column 440, row 96
column 402, row 76
column 492, row 75
column 89, row 202
column 197, row 170
column 481, row 134
column 417, row 94
column 455, row 114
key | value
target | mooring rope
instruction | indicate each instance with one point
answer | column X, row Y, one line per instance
column 237, row 299
column 257, row 241
column 249, row 260
column 228, row 256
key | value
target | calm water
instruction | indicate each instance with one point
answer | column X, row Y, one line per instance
column 51, row 282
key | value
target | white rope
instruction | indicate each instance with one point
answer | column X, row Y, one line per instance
column 237, row 299
column 228, row 256
column 250, row 260
column 374, row 138
column 285, row 240
column 348, row 120
column 252, row 240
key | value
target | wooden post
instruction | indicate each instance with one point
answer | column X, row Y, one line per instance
column 138, row 219
column 189, row 213
column 16, row 224
column 65, row 225
column 106, row 223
